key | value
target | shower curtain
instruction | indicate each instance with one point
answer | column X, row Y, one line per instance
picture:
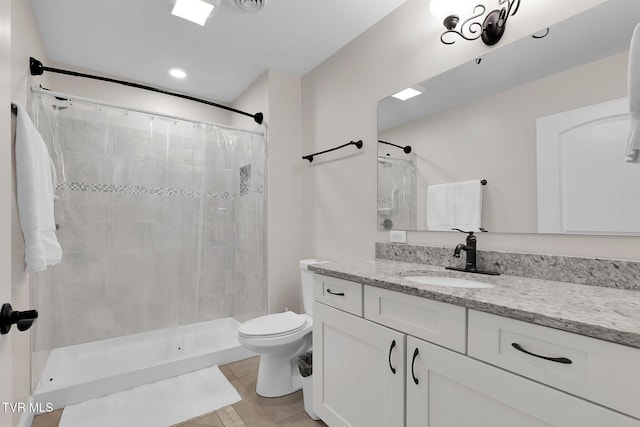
column 161, row 221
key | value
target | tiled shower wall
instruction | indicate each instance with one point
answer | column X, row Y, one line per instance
column 154, row 227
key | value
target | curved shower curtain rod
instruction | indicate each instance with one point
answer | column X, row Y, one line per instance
column 38, row 69
column 70, row 98
column 406, row 149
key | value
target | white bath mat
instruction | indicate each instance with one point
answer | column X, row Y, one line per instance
column 160, row 404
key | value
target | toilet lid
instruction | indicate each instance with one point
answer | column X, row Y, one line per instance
column 273, row 324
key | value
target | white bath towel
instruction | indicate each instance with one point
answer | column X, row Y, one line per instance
column 35, row 196
column 633, row 144
column 455, row 205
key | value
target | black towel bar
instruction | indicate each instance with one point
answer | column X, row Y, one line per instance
column 358, row 144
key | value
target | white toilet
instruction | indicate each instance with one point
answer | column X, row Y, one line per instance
column 279, row 339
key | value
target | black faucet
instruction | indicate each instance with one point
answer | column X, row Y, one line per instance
column 470, row 249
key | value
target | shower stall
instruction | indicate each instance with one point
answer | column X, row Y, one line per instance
column 162, row 224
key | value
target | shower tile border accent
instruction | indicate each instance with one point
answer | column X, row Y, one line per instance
column 149, row 191
column 610, row 273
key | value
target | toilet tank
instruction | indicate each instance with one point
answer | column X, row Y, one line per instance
column 306, row 281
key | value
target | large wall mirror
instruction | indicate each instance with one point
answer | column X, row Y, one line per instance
column 543, row 120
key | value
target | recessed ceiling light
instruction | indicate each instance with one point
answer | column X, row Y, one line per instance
column 197, row 11
column 409, row 92
column 177, row 73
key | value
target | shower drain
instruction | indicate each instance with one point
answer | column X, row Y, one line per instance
column 251, row 5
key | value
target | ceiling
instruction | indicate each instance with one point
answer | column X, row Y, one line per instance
column 139, row 40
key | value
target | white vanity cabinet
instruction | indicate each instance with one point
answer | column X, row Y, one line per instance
column 358, row 366
column 411, row 361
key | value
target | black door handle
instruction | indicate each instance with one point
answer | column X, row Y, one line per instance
column 393, row 344
column 562, row 360
column 413, row 363
column 340, row 294
column 23, row 319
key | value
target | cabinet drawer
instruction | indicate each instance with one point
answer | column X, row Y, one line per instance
column 596, row 370
column 341, row 294
column 437, row 322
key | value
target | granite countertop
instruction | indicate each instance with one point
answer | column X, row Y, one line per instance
column 599, row 312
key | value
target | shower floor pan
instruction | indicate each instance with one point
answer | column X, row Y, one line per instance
column 81, row 372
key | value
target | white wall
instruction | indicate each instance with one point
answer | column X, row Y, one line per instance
column 284, row 168
column 339, row 100
column 284, row 192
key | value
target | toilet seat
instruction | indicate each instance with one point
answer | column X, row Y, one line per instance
column 273, row 325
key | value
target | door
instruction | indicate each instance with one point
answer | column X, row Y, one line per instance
column 584, row 184
column 6, row 383
column 447, row 389
column 358, row 370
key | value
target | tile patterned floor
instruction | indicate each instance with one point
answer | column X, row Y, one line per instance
column 251, row 411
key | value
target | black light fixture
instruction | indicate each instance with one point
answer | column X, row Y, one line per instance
column 488, row 26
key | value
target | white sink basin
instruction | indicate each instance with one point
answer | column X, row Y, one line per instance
column 451, row 282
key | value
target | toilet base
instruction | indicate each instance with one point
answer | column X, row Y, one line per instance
column 277, row 376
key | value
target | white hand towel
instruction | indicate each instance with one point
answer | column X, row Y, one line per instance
column 455, row 205
column 633, row 144
column 35, row 196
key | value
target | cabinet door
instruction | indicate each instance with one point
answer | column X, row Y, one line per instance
column 456, row 391
column 358, row 370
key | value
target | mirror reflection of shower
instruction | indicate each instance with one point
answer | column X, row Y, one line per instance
column 397, row 186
